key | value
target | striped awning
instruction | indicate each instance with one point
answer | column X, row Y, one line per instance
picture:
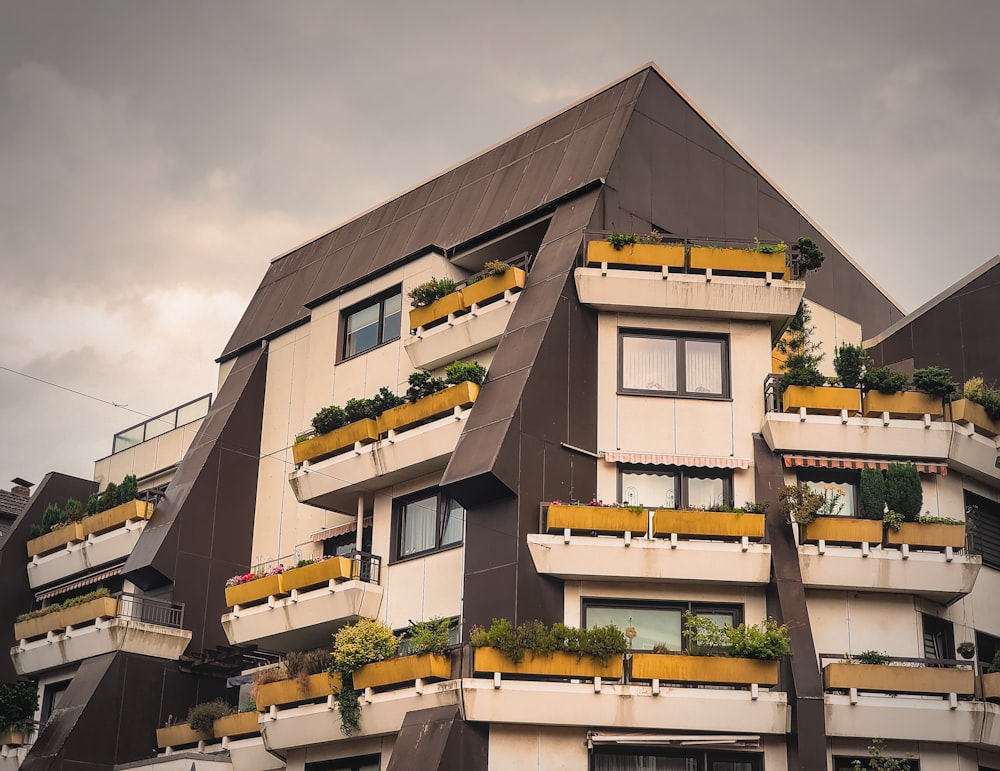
column 333, row 532
column 80, row 582
column 657, row 459
column 822, row 461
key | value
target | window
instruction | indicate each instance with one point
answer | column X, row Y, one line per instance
column 847, row 764
column 673, row 365
column 656, row 759
column 984, row 524
column 52, row 696
column 939, row 637
column 841, row 486
column 655, row 623
column 676, row 488
column 365, row 763
column 427, row 522
column 368, row 326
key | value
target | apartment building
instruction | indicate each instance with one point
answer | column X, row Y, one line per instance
column 638, row 376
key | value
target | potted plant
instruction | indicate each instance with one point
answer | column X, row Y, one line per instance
column 596, row 517
column 979, row 407
column 816, row 516
column 990, row 680
column 877, row 761
column 430, row 397
column 254, row 587
column 426, row 643
column 873, row 671
column 18, row 702
column 746, row 521
column 199, row 726
column 886, row 392
column 498, row 278
column 72, row 612
column 355, row 646
column 629, row 249
column 433, row 301
column 966, row 649
column 316, row 572
column 303, row 676
column 850, row 362
column 802, row 384
column 761, row 258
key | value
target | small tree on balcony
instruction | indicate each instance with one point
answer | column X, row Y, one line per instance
column 802, row 356
column 903, row 491
column 872, row 502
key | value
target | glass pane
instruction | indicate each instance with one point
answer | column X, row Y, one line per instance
column 418, row 526
column 193, row 411
column 127, row 439
column 160, row 425
column 391, row 314
column 840, row 497
column 703, row 366
column 630, row 762
column 653, row 626
column 649, row 363
column 652, row 490
column 362, row 330
column 706, row 493
column 733, row 765
column 454, row 519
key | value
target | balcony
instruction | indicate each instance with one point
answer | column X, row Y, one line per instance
column 238, row 735
column 124, row 622
column 300, row 608
column 14, row 746
column 96, row 540
column 415, row 439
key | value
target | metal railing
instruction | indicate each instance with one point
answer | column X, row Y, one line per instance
column 365, row 566
column 772, row 394
column 161, row 424
column 149, row 610
column 898, row 661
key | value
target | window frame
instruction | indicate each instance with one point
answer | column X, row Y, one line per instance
column 705, row 758
column 835, row 476
column 379, row 300
column 681, row 339
column 441, row 510
column 735, row 610
column 681, row 475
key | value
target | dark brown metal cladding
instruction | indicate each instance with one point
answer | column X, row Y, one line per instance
column 437, row 739
column 801, row 676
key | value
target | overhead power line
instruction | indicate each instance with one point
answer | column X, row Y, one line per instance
column 74, row 391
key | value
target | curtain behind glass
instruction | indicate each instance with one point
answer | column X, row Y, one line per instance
column 703, row 366
column 419, row 525
column 649, row 363
column 603, row 762
column 454, row 519
column 653, row 490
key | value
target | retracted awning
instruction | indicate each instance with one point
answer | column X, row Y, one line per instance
column 658, row 459
column 333, row 532
column 822, row 461
column 745, row 741
column 85, row 581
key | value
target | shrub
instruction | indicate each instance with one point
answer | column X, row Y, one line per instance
column 201, row 716
column 893, row 520
column 766, row 640
column 73, row 510
column 995, row 664
column 879, row 762
column 810, row 256
column 52, row 517
column 871, row 657
column 108, row 497
column 988, row 398
column 751, row 507
column 884, row 380
column 431, row 291
column 93, row 503
column 495, row 268
column 777, row 248
column 850, row 361
column 800, row 504
column 386, row 400
column 72, row 602
column 359, row 409
column 421, row 384
column 872, row 493
column 461, row 371
column 362, row 643
column 269, row 674
column 601, row 643
column 620, row 240
column 903, row 492
column 128, row 490
column 429, row 636
column 802, row 356
column 18, row 702
column 305, row 663
column 935, row 381
column 328, row 419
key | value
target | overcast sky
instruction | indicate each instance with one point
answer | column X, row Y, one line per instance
column 155, row 156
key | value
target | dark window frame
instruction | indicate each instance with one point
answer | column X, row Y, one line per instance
column 681, row 338
column 345, row 764
column 379, row 300
column 982, row 516
column 681, row 475
column 706, row 758
column 398, row 505
column 734, row 609
column 844, row 762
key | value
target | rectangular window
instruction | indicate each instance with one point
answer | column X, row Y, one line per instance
column 847, row 764
column 657, row 759
column 655, row 623
column 364, row 763
column 672, row 487
column 840, row 488
column 375, row 322
column 939, row 637
column 673, row 365
column 426, row 522
column 983, row 517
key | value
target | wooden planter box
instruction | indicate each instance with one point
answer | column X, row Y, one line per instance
column 703, row 669
column 116, row 517
column 843, row 530
column 14, row 738
column 890, row 679
column 492, row 287
column 823, row 400
column 555, row 665
column 926, row 534
column 969, row 413
column 57, row 539
column 651, row 255
column 329, row 444
column 102, row 607
column 253, row 591
column 904, row 404
column 439, row 309
column 317, row 574
column 707, row 523
column 178, row 736
column 404, row 669
column 292, row 691
column 595, row 519
column 240, row 724
column 989, row 685
column 433, row 406
column 738, row 260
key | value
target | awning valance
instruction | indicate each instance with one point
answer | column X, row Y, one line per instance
column 80, row 582
column 333, row 532
column 822, row 461
column 658, row 459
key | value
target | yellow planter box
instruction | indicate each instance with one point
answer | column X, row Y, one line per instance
column 102, row 607
column 326, row 445
column 703, row 669
column 14, row 738
column 904, row 404
column 843, row 530
column 595, row 519
column 554, row 665
column 926, row 534
column 116, row 517
column 738, row 260
column 492, row 287
column 404, row 669
column 57, row 539
column 707, row 523
column 439, row 309
column 823, row 400
column 297, row 689
column 891, row 679
column 433, row 406
column 969, row 413
column 317, row 574
column 652, row 255
column 989, row 686
column 240, row 724
column 253, row 591
column 178, row 736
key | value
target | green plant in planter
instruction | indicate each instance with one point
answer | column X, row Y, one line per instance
column 431, row 636
column 810, row 256
column 850, row 362
column 800, row 504
column 601, row 643
column 359, row 409
column 995, row 664
column 766, row 640
column 975, row 390
column 879, row 762
column 421, row 384
column 871, row 657
column 386, row 400
column 201, row 716
column 431, row 291
column 935, row 381
column 966, row 649
column 872, row 494
column 884, row 380
column 903, row 491
column 926, row 519
column 802, row 356
column 777, row 248
column 52, row 517
column 893, row 520
column 93, row 502
column 18, row 702
column 460, row 371
column 329, row 418
column 619, row 241
column 495, row 268
column 353, row 647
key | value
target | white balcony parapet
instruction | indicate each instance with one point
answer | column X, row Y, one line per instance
column 96, row 550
